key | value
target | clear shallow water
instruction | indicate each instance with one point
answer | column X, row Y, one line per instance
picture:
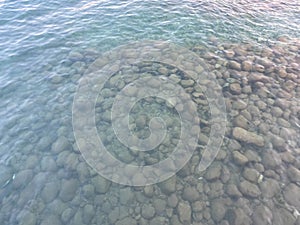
column 38, row 76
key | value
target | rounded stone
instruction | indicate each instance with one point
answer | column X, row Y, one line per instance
column 148, row 212
column 68, row 189
column 50, row 191
column 190, row 194
column 101, row 184
column 249, row 189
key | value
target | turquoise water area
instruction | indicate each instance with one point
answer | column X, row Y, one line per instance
column 251, row 47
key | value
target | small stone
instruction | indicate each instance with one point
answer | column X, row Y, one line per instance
column 168, row 186
column 68, row 189
column 56, row 79
column 149, row 191
column 241, row 121
column 67, row 215
column 259, row 68
column 234, row 65
column 51, row 220
column 249, row 189
column 213, row 172
column 291, row 195
column 229, row 53
column 278, row 143
column 239, row 158
column 75, row 56
column 172, row 201
column 190, row 194
column 187, row 83
column 217, row 210
column 126, row 196
column 88, row 213
column 271, row 159
column 159, row 205
column 251, row 174
column 283, row 216
column 247, row 136
column 126, row 221
column 247, row 65
column 233, row 191
column 184, row 212
column 61, row 144
column 293, row 174
column 101, row 184
column 255, row 77
column 262, row 215
column 48, row 164
column 269, row 187
column 22, row 178
column 27, row 218
column 50, row 191
column 235, row 88
column 148, row 211
column 88, row 191
column 237, row 216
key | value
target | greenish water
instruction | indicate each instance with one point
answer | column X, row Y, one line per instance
column 46, row 47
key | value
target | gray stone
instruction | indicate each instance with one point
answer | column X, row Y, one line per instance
column 241, row 121
column 262, row 215
column 101, row 184
column 50, row 191
column 68, row 189
column 172, row 201
column 126, row 196
column 48, row 164
column 237, row 217
column 235, row 88
column 88, row 191
column 213, row 172
column 26, row 218
column 234, row 65
column 271, row 159
column 75, row 56
column 148, row 211
column 252, row 156
column 247, row 136
column 159, row 205
column 184, row 212
column 198, row 206
column 217, row 210
column 239, row 158
column 249, row 189
column 269, row 187
column 190, row 194
column 291, row 195
column 293, row 174
column 31, row 163
column 61, row 144
column 51, row 220
column 187, row 83
column 149, row 191
column 282, row 216
column 158, row 220
column 67, row 215
column 22, row 178
column 88, row 213
column 126, row 221
column 251, row 174
column 233, row 191
column 168, row 186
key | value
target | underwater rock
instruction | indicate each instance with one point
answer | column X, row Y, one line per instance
column 247, row 136
column 184, row 212
column 249, row 189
